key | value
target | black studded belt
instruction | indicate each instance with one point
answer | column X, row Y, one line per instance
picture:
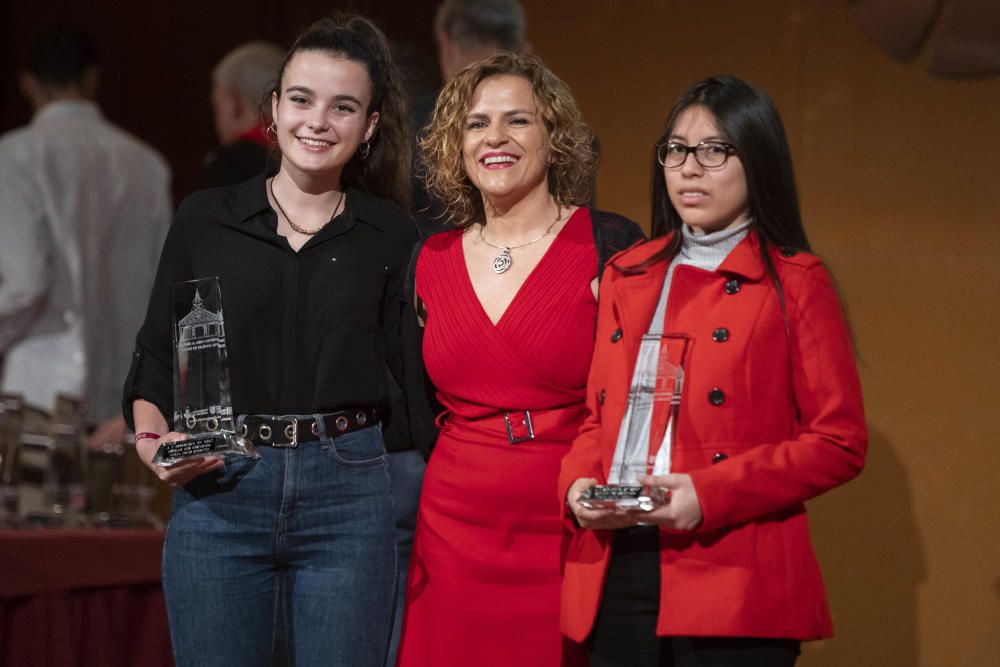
column 290, row 430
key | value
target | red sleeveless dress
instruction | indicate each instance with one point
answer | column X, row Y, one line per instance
column 484, row 581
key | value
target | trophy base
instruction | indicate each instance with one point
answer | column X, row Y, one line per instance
column 214, row 444
column 624, row 496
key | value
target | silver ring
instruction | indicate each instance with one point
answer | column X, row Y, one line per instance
column 264, row 431
column 289, row 432
column 314, row 428
column 341, row 423
column 190, row 421
column 212, row 424
column 362, row 418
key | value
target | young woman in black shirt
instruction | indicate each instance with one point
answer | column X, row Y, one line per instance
column 310, row 265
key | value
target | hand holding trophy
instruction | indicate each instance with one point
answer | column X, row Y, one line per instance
column 645, row 441
column 203, row 407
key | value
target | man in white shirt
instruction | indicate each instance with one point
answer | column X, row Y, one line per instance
column 84, row 209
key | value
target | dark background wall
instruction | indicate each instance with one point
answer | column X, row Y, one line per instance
column 157, row 57
column 891, row 111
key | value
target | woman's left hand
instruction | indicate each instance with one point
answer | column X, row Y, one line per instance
column 682, row 511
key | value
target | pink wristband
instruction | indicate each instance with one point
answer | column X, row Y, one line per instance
column 147, row 435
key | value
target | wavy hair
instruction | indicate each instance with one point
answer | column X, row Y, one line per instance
column 356, row 38
column 572, row 158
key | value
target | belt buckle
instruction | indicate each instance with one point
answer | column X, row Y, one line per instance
column 291, row 431
column 511, row 438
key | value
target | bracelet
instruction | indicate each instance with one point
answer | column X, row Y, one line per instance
column 147, row 435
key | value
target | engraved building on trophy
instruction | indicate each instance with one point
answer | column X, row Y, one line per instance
column 200, row 335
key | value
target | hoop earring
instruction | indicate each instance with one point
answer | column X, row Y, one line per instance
column 364, row 150
column 272, row 129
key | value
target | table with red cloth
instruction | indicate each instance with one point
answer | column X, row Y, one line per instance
column 82, row 597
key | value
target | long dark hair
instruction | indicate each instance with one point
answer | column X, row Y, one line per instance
column 385, row 172
column 747, row 118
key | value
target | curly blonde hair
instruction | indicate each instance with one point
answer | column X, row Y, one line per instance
column 572, row 158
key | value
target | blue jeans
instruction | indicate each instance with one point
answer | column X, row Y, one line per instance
column 321, row 517
column 406, row 470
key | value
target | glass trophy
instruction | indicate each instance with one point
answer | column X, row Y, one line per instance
column 51, row 488
column 65, row 484
column 11, row 418
column 120, row 487
column 203, row 406
column 646, row 440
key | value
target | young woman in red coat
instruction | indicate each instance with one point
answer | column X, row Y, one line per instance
column 770, row 410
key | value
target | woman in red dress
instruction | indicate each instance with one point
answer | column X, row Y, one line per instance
column 508, row 302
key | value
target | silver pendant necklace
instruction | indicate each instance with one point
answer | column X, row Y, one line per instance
column 503, row 261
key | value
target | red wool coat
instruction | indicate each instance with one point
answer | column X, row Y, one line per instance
column 769, row 418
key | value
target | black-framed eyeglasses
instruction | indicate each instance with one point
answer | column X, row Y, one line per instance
column 709, row 154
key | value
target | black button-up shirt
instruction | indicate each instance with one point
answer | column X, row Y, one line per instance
column 308, row 332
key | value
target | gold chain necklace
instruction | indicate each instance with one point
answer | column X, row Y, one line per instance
column 503, row 261
column 302, row 230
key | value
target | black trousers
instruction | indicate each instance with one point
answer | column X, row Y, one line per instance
column 624, row 634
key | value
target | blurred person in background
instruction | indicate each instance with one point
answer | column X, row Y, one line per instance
column 470, row 30
column 239, row 83
column 84, row 209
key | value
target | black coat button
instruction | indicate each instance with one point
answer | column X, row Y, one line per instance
column 732, row 286
column 718, row 456
column 720, row 335
column 789, row 251
column 616, row 336
column 600, row 397
column 716, row 396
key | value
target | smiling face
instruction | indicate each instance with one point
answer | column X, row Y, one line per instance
column 709, row 199
column 505, row 146
column 321, row 114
